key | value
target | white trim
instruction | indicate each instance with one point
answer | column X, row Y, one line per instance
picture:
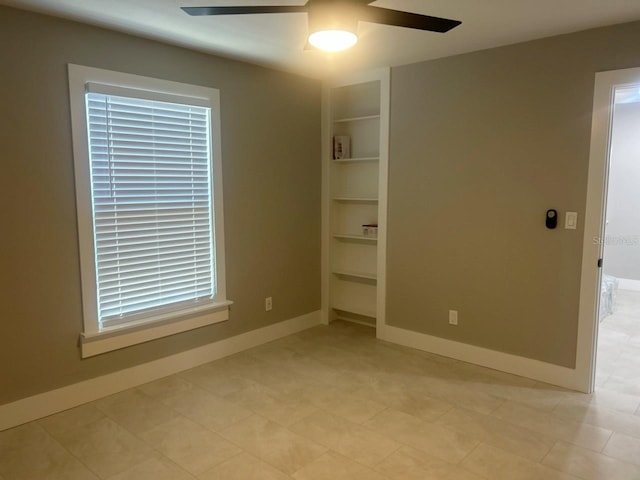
column 81, row 79
column 54, row 401
column 594, row 226
column 119, row 91
column 383, row 75
column 325, row 136
column 629, row 284
column 505, row 362
column 131, row 334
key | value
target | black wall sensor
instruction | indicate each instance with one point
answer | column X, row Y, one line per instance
column 551, row 220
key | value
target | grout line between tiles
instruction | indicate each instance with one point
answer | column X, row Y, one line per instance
column 480, row 442
column 606, row 443
column 550, row 450
column 36, row 422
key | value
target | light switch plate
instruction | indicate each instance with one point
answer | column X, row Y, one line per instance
column 571, row 220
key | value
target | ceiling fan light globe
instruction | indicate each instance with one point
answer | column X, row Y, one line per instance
column 333, row 40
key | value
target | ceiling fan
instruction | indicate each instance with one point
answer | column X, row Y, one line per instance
column 333, row 23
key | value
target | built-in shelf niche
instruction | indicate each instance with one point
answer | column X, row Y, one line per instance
column 353, row 188
column 355, row 179
column 356, row 101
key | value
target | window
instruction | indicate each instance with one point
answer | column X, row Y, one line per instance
column 149, row 197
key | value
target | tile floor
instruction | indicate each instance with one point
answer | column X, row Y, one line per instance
column 333, row 403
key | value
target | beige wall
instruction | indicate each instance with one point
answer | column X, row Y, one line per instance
column 271, row 162
column 482, row 145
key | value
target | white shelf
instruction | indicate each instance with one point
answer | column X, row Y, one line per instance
column 355, row 310
column 356, row 199
column 354, row 193
column 362, row 275
column 357, row 119
column 352, row 160
column 356, row 238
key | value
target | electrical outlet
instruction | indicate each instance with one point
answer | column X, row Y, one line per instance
column 453, row 317
column 268, row 304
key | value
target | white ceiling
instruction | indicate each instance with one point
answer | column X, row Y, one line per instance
column 277, row 40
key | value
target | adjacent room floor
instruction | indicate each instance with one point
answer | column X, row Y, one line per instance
column 333, row 403
column 619, row 346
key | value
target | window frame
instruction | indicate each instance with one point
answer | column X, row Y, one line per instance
column 95, row 339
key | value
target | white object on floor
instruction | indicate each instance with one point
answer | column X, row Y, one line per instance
column 608, row 290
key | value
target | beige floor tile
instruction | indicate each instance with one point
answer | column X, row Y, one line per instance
column 28, row 452
column 244, row 467
column 276, row 353
column 105, row 447
column 206, row 408
column 604, row 399
column 501, row 385
column 499, row 433
column 401, row 398
column 332, row 466
column 624, row 447
column 338, row 357
column 459, row 390
column 216, row 377
column 274, row 444
column 410, row 464
column 190, row 445
column 627, row 365
column 23, row 436
column 354, row 441
column 437, row 440
column 316, row 372
column 135, row 411
column 495, row 464
column 351, row 407
column 156, row 468
column 541, row 396
column 57, row 468
column 551, row 425
column 278, row 377
column 623, row 385
column 72, row 418
column 601, row 379
column 265, row 401
column 166, row 387
column 600, row 417
column 251, row 394
column 589, row 465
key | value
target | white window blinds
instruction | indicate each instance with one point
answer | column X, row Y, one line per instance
column 151, row 184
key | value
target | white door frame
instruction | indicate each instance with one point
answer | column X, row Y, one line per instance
column 594, row 222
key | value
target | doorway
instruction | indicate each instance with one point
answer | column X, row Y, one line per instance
column 618, row 348
column 609, row 318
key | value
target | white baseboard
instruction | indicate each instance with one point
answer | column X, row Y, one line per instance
column 629, row 284
column 505, row 362
column 54, row 401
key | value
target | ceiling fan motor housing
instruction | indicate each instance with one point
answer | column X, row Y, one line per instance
column 333, row 15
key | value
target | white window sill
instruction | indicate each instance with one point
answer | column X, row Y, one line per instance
column 114, row 338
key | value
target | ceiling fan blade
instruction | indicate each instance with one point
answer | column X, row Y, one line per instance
column 330, row 2
column 406, row 19
column 200, row 11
